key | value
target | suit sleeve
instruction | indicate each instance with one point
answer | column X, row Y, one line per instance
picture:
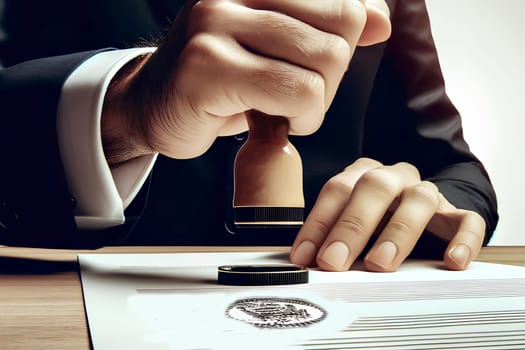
column 36, row 205
column 410, row 118
column 101, row 193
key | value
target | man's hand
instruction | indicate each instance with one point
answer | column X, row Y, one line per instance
column 353, row 204
column 225, row 57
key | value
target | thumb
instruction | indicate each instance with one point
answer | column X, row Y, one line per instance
column 378, row 27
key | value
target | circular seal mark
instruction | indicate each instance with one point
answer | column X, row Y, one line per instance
column 276, row 312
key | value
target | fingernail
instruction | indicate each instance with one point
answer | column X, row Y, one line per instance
column 460, row 255
column 336, row 255
column 383, row 255
column 304, row 254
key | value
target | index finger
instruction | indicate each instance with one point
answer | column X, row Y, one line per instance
column 345, row 18
column 331, row 201
column 372, row 196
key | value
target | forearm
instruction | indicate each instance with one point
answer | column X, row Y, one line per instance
column 123, row 138
column 411, row 119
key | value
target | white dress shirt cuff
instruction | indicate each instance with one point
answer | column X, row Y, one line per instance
column 101, row 193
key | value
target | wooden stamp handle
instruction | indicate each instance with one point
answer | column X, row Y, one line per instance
column 268, row 176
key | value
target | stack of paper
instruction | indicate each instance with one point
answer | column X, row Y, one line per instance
column 173, row 301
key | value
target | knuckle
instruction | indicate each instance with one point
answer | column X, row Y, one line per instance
column 380, row 181
column 278, row 22
column 295, row 82
column 302, row 90
column 320, row 226
column 477, row 221
column 310, row 85
column 365, row 163
column 351, row 14
column 399, row 227
column 425, row 192
column 308, row 92
column 354, row 225
column 475, row 217
column 408, row 169
column 205, row 14
column 477, row 236
column 199, row 51
column 335, row 51
column 201, row 17
column 337, row 185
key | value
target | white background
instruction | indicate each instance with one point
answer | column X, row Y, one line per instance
column 481, row 46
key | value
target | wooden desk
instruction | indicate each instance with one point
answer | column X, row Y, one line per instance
column 41, row 304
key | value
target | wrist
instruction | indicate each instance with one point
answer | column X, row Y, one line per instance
column 122, row 136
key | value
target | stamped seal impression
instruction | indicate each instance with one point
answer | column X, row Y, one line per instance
column 276, row 312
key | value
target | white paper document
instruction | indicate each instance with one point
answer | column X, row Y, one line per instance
column 173, row 301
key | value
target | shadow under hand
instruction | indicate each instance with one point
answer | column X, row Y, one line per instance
column 159, row 277
column 26, row 266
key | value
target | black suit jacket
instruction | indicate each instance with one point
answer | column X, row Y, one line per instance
column 391, row 106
